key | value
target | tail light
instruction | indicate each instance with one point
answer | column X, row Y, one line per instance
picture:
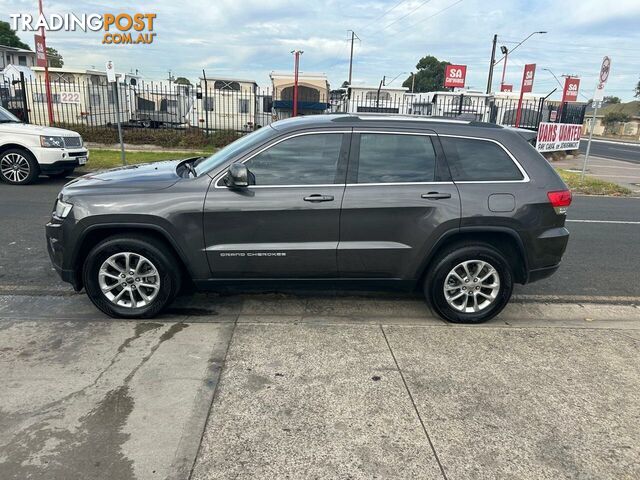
column 560, row 200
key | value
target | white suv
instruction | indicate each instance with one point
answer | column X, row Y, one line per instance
column 28, row 150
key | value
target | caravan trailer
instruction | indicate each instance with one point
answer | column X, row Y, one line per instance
column 469, row 104
column 159, row 105
column 229, row 104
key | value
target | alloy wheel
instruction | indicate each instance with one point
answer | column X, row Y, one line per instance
column 15, row 167
column 471, row 286
column 129, row 280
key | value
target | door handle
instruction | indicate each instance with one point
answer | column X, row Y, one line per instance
column 435, row 195
column 318, row 198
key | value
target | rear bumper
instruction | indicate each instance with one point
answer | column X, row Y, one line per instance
column 541, row 273
column 548, row 249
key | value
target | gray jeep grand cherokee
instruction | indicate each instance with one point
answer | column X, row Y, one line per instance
column 459, row 209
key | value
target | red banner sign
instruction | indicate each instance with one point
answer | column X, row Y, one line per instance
column 570, row 92
column 41, row 56
column 506, row 87
column 454, row 75
column 527, row 77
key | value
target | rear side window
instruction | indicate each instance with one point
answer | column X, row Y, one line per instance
column 390, row 158
column 473, row 160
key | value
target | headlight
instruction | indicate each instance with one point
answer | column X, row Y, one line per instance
column 81, row 142
column 62, row 209
column 51, row 142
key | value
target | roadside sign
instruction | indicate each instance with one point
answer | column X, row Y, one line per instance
column 526, row 87
column 527, row 77
column 41, row 55
column 454, row 76
column 570, row 91
column 506, row 87
column 111, row 72
column 558, row 136
column 605, row 68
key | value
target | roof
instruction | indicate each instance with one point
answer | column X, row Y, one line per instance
column 375, row 120
column 630, row 108
column 17, row 49
column 228, row 79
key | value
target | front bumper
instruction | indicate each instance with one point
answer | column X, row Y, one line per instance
column 56, row 159
column 54, row 233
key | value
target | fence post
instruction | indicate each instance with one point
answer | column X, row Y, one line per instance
column 25, row 109
column 117, row 102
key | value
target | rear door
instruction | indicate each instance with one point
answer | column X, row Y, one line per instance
column 286, row 224
column 398, row 201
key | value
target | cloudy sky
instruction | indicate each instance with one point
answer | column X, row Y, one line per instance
column 250, row 38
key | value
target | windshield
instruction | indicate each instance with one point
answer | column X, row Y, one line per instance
column 234, row 148
column 7, row 117
column 224, row 154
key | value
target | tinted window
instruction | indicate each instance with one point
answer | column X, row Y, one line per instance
column 388, row 158
column 478, row 160
column 302, row 160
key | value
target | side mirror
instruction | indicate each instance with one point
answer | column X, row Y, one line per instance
column 237, row 176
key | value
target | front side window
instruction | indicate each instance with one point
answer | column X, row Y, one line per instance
column 394, row 158
column 302, row 160
column 472, row 160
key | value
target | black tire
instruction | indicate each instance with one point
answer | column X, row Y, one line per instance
column 62, row 173
column 446, row 261
column 26, row 159
column 161, row 257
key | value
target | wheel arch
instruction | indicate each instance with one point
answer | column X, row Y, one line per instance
column 97, row 233
column 504, row 239
column 8, row 146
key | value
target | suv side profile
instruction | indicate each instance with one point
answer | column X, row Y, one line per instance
column 462, row 210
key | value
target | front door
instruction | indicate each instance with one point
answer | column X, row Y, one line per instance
column 399, row 200
column 285, row 225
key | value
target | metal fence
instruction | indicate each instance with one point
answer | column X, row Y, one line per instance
column 242, row 107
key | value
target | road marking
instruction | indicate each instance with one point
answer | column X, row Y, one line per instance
column 613, row 166
column 622, row 222
column 628, row 144
column 625, row 149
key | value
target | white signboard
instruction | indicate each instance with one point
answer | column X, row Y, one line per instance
column 111, row 72
column 602, row 79
column 70, row 97
column 558, row 136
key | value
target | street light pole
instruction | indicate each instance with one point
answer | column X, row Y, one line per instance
column 353, row 37
column 296, row 65
column 492, row 63
column 505, row 51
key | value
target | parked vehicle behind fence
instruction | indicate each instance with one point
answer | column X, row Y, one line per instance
column 461, row 210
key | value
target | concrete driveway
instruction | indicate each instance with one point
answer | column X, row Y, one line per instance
column 282, row 386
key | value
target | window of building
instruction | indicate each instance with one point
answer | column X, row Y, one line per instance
column 243, row 105
column 209, row 104
column 479, row 160
column 373, row 96
column 224, row 85
column 391, row 158
column 302, row 160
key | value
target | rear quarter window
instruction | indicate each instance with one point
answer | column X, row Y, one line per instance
column 477, row 160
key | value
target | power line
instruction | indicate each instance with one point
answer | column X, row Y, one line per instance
column 433, row 15
column 380, row 16
column 405, row 16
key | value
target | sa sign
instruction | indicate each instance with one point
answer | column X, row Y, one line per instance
column 454, row 76
column 527, row 77
column 570, row 92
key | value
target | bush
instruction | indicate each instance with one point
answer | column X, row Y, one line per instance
column 162, row 137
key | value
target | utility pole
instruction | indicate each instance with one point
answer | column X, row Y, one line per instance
column 493, row 59
column 413, row 81
column 46, row 69
column 505, row 52
column 353, row 37
column 296, row 67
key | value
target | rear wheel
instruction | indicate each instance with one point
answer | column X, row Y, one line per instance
column 470, row 283
column 131, row 277
column 18, row 167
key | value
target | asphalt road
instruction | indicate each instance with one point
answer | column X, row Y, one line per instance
column 629, row 152
column 602, row 258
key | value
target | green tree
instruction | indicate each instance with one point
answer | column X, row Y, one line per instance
column 637, row 94
column 611, row 99
column 182, row 81
column 54, row 58
column 430, row 75
column 9, row 38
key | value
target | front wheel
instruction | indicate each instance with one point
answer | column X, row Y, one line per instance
column 470, row 283
column 131, row 277
column 18, row 167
